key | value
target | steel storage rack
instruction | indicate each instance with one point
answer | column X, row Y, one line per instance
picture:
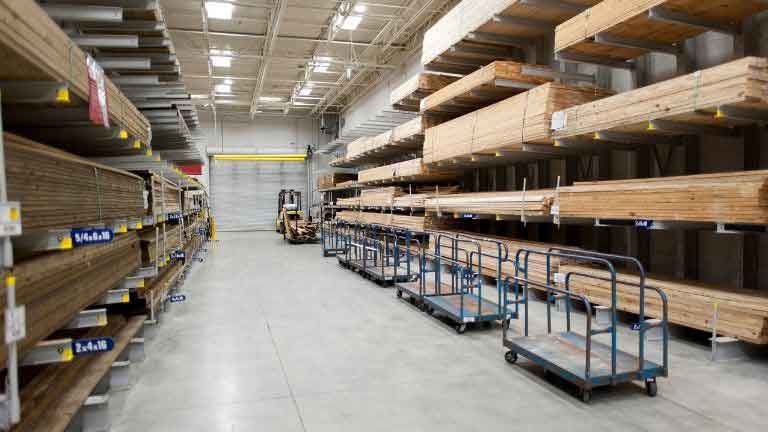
column 462, row 299
column 577, row 358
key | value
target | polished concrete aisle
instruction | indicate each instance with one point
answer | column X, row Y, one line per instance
column 276, row 338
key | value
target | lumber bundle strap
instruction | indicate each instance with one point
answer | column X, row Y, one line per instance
column 531, row 203
column 35, row 48
column 410, row 170
column 505, row 126
column 60, row 190
column 701, row 99
column 741, row 313
column 56, row 286
column 737, row 197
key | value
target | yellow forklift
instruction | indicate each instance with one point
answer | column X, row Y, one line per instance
column 290, row 219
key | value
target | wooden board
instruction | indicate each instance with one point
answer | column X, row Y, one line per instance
column 486, row 86
column 56, row 286
column 415, row 223
column 58, row 190
column 530, row 203
column 698, row 100
column 329, row 180
column 35, row 48
column 408, row 171
column 158, row 242
column 409, row 94
column 449, row 46
column 737, row 197
column 615, row 30
column 505, row 126
column 742, row 313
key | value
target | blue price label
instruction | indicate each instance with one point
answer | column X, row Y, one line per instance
column 644, row 223
column 174, row 216
column 635, row 327
column 92, row 346
column 468, row 216
column 177, row 298
column 178, row 255
column 88, row 236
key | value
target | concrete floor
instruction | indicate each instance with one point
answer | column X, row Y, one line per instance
column 276, row 338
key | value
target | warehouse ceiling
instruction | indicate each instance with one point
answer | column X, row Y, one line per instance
column 292, row 57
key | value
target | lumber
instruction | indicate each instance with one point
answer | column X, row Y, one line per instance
column 412, row 170
column 157, row 243
column 518, row 203
column 413, row 223
column 736, row 197
column 504, row 126
column 700, row 99
column 409, row 94
column 742, row 313
column 329, row 180
column 449, row 44
column 35, row 48
column 54, row 287
column 620, row 30
column 58, row 190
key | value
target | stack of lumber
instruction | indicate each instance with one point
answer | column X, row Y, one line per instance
column 412, row 130
column 329, row 180
column 599, row 31
column 164, row 196
column 529, row 203
column 157, row 244
column 738, row 197
column 412, row 170
column 358, row 147
column 58, row 190
column 35, row 48
column 408, row 95
column 742, row 313
column 474, row 32
column 157, row 288
column 504, row 126
column 490, row 84
column 382, row 197
column 351, row 202
column 55, row 287
column 414, row 223
column 52, row 398
column 692, row 99
column 194, row 200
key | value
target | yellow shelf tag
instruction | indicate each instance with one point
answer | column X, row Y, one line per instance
column 10, row 280
column 650, row 127
column 62, row 95
column 123, row 134
column 148, row 152
column 102, row 320
column 137, row 144
column 139, row 226
column 126, row 298
column 65, row 243
column 719, row 114
column 140, row 283
column 13, row 214
column 123, row 228
column 66, row 354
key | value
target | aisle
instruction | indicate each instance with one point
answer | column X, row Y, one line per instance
column 276, row 338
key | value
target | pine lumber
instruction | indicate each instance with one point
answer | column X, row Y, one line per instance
column 35, row 48
column 695, row 99
column 448, row 43
column 58, row 190
column 412, row 170
column 486, row 86
column 55, row 286
column 630, row 20
column 409, row 94
column 736, row 197
column 329, row 180
column 742, row 313
column 504, row 126
column 164, row 196
column 518, row 203
column 157, row 242
column 414, row 223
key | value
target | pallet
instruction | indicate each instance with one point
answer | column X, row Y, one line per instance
column 410, row 171
column 518, row 127
column 408, row 95
column 711, row 102
column 476, row 33
column 615, row 31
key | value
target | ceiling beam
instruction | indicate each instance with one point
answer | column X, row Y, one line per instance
column 273, row 29
column 280, row 37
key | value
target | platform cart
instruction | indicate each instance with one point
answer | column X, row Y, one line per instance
column 578, row 358
column 461, row 299
column 332, row 237
column 382, row 259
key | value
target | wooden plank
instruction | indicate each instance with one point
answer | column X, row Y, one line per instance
column 329, row 180
column 518, row 203
column 406, row 97
column 630, row 27
column 408, row 171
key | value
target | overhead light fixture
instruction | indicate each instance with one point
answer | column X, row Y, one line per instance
column 228, row 81
column 351, row 22
column 270, row 99
column 219, row 10
column 306, row 91
column 198, row 96
column 221, row 61
column 359, row 8
column 223, row 88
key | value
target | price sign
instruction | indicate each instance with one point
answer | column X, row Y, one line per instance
column 178, row 255
column 174, row 216
column 644, row 223
column 89, row 236
column 635, row 327
column 92, row 345
column 177, row 298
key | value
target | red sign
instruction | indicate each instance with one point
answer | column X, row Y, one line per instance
column 196, row 169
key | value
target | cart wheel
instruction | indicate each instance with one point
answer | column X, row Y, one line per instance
column 510, row 357
column 423, row 307
column 461, row 328
column 412, row 300
column 651, row 388
column 399, row 294
column 430, row 310
column 586, row 395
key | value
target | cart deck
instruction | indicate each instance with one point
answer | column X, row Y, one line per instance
column 565, row 354
column 413, row 289
column 451, row 304
column 386, row 273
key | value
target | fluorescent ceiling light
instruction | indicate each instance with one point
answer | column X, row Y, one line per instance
column 270, row 99
column 221, row 52
column 351, row 22
column 219, row 10
column 359, row 8
column 223, row 88
column 228, row 81
column 305, row 91
column 199, row 96
column 220, row 61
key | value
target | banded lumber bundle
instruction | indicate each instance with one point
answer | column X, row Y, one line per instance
column 359, row 146
column 34, row 48
column 157, row 288
column 530, row 203
column 458, row 37
column 412, row 130
column 52, row 398
column 599, row 31
column 412, row 170
column 384, row 196
column 737, row 197
column 742, row 313
column 329, row 180
column 55, row 287
column 414, row 223
column 504, row 126
column 489, row 84
column 699, row 99
column 351, row 202
column 58, row 190
column 163, row 196
column 408, row 95
column 158, row 242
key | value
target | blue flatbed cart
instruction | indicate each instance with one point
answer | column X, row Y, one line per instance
column 332, row 237
column 463, row 303
column 376, row 253
column 575, row 357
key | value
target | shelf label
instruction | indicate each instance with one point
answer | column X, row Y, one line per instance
column 177, row 298
column 559, row 120
column 178, row 255
column 92, row 345
column 635, row 327
column 174, row 216
column 468, row 216
column 89, row 236
column 644, row 223
column 18, row 329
